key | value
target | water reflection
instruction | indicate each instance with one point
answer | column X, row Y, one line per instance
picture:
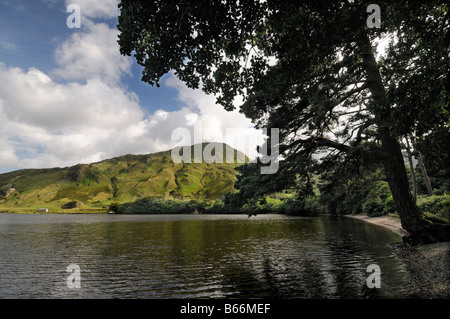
column 189, row 256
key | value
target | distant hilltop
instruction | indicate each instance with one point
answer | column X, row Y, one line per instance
column 92, row 187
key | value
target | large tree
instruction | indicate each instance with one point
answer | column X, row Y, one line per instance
column 310, row 69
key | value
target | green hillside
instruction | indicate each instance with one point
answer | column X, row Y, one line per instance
column 124, row 179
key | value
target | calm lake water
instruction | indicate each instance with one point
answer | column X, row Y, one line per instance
column 196, row 256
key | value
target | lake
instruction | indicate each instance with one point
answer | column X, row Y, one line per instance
column 196, row 256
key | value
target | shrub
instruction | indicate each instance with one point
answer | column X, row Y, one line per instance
column 373, row 207
column 374, row 204
column 438, row 205
column 114, row 207
column 71, row 205
column 313, row 206
column 293, row 206
column 389, row 206
column 152, row 205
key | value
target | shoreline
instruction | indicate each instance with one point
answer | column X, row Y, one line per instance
column 428, row 265
column 389, row 222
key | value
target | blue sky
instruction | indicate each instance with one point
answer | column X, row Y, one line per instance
column 32, row 31
column 67, row 96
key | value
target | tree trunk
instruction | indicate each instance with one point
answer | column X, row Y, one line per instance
column 397, row 177
column 425, row 174
column 413, row 171
column 420, row 230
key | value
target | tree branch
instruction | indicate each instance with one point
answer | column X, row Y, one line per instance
column 315, row 142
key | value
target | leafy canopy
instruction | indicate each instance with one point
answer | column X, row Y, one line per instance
column 310, row 69
column 299, row 65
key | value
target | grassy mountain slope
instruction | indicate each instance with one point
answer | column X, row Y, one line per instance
column 92, row 187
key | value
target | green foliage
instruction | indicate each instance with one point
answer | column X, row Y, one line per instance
column 71, row 205
column 438, row 205
column 389, row 206
column 155, row 205
column 120, row 180
column 302, row 206
column 352, row 190
column 434, row 149
column 375, row 202
column 325, row 89
column 288, row 192
column 253, row 186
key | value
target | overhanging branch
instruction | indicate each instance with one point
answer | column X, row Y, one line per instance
column 312, row 143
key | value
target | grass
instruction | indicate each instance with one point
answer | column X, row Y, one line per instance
column 121, row 179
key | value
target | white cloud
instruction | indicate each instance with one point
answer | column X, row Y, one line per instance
column 97, row 8
column 47, row 104
column 66, row 124
column 92, row 55
column 91, row 117
column 72, row 122
column 8, row 157
column 7, row 45
column 216, row 123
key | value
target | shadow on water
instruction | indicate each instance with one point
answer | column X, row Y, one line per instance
column 321, row 258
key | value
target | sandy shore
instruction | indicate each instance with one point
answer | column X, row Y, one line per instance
column 392, row 223
column 428, row 265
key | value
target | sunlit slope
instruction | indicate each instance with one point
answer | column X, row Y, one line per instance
column 121, row 179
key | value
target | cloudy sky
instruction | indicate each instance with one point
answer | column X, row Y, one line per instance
column 67, row 96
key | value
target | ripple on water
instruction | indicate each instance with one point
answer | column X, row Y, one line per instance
column 194, row 257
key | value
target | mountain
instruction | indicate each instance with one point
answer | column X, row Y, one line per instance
column 124, row 179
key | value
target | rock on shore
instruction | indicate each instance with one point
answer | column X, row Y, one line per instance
column 428, row 265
